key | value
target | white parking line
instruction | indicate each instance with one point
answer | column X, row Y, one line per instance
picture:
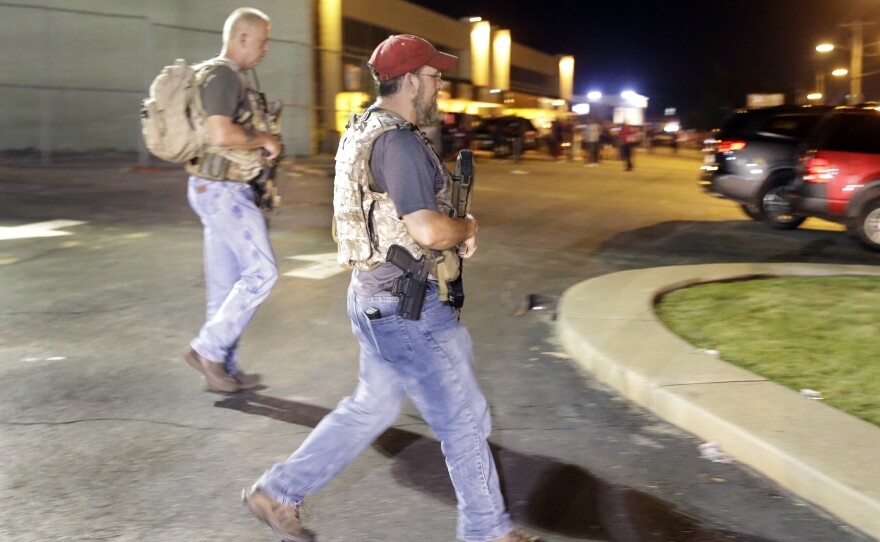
column 37, row 229
column 323, row 266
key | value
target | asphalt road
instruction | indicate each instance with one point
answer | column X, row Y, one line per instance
column 105, row 433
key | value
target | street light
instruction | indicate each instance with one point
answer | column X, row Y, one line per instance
column 820, row 83
column 856, row 50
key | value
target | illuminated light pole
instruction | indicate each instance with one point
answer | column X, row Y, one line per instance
column 566, row 77
column 856, row 49
column 481, row 49
column 501, row 59
column 819, row 94
column 855, row 63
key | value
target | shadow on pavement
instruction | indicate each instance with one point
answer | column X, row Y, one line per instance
column 555, row 497
column 683, row 242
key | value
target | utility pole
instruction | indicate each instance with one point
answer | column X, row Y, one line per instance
column 856, row 49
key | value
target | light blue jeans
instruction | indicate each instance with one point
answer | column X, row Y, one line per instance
column 240, row 267
column 431, row 360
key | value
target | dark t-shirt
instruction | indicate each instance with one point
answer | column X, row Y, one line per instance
column 403, row 167
column 221, row 92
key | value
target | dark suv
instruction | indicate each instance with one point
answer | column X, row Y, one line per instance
column 839, row 174
column 495, row 134
column 752, row 159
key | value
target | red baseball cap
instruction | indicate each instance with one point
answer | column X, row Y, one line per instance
column 404, row 53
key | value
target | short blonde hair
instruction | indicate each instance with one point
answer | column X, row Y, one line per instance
column 240, row 17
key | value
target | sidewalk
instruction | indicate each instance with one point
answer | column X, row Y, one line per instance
column 820, row 453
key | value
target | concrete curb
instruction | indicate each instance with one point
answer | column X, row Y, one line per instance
column 828, row 457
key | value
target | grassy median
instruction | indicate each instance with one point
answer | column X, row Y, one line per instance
column 817, row 333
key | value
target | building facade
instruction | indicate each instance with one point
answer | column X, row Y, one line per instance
column 73, row 72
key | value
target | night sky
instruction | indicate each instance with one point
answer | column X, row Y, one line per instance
column 700, row 56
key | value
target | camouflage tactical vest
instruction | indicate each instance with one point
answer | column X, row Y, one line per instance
column 366, row 222
column 222, row 163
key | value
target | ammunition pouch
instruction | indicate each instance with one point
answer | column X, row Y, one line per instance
column 227, row 165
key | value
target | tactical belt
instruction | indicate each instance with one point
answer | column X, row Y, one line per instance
column 214, row 167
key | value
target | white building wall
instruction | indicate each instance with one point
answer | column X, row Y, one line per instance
column 73, row 72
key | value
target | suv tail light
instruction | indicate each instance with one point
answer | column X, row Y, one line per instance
column 731, row 145
column 819, row 170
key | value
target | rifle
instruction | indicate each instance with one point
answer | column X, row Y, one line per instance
column 410, row 287
column 462, row 183
column 462, row 188
column 265, row 190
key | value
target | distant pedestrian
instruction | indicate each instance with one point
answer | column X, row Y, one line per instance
column 592, row 132
column 554, row 141
column 568, row 139
column 516, row 135
column 628, row 139
column 607, row 146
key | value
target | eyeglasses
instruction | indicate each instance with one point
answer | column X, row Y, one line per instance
column 438, row 77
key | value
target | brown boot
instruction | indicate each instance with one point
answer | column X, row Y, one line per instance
column 517, row 535
column 283, row 519
column 216, row 377
column 247, row 381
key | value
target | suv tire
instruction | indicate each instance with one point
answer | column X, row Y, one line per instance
column 752, row 211
column 776, row 210
column 868, row 227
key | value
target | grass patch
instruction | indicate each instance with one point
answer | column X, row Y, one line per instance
column 818, row 333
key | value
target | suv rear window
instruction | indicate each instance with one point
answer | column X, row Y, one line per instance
column 784, row 121
column 851, row 133
column 797, row 126
column 742, row 123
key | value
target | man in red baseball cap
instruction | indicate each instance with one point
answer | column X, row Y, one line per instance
column 385, row 164
column 407, row 53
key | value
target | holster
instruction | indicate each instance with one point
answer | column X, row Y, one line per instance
column 213, row 166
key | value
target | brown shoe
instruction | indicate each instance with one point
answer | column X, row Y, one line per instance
column 247, row 381
column 216, row 377
column 517, row 535
column 283, row 519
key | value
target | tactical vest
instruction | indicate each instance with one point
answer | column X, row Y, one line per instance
column 366, row 222
column 222, row 163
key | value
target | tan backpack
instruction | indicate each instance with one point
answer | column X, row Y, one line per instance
column 167, row 114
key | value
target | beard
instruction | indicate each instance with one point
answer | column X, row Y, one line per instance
column 426, row 110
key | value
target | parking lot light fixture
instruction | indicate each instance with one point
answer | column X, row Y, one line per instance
column 840, row 72
column 825, row 47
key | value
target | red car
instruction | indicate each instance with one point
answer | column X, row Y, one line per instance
column 839, row 174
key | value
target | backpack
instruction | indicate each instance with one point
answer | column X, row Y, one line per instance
column 169, row 129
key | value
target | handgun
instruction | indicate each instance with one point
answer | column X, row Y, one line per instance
column 410, row 287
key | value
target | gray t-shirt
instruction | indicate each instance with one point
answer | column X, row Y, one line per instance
column 404, row 168
column 221, row 92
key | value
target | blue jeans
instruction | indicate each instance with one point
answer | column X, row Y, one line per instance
column 431, row 360
column 240, row 267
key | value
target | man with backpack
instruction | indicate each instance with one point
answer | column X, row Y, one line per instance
column 237, row 144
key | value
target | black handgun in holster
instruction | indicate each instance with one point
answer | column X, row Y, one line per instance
column 410, row 287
